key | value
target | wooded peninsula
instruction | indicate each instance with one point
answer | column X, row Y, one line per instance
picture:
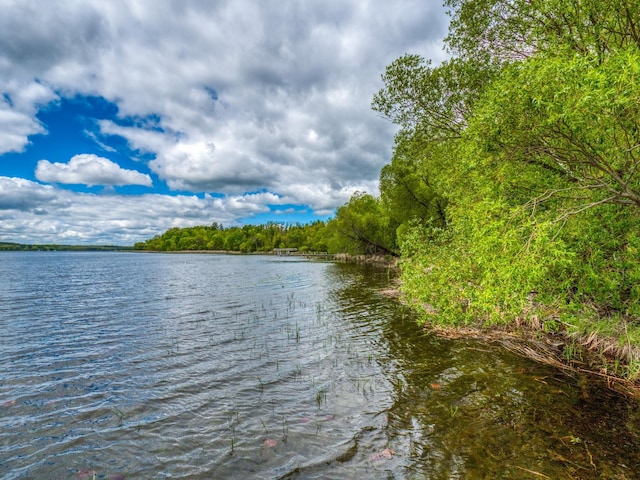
column 513, row 193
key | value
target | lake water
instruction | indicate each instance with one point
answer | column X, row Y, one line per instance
column 128, row 365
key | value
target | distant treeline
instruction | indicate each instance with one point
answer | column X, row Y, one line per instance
column 338, row 235
column 7, row 246
column 247, row 239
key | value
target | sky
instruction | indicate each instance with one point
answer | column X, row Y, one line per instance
column 121, row 119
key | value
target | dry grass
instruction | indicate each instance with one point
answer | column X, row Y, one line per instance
column 594, row 355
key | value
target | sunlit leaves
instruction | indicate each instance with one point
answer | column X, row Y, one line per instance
column 363, row 226
column 532, row 135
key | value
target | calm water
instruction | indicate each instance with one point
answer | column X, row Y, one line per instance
column 121, row 365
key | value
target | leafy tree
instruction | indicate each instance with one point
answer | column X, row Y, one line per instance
column 434, row 102
column 577, row 116
column 363, row 226
column 409, row 190
column 530, row 135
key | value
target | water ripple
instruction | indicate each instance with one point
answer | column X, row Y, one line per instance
column 202, row 366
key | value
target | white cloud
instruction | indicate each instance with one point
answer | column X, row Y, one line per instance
column 34, row 213
column 89, row 169
column 18, row 106
column 23, row 195
column 245, row 95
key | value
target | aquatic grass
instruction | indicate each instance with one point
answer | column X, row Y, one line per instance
column 120, row 414
column 290, row 300
column 234, row 419
column 364, row 385
column 233, row 440
column 321, row 397
column 571, row 351
column 235, row 334
column 285, row 429
column 236, row 414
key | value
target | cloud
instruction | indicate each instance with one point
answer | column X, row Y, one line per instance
column 278, row 69
column 23, row 195
column 89, row 169
column 34, row 213
column 19, row 104
column 245, row 96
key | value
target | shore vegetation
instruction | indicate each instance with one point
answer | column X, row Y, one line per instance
column 513, row 193
column 523, row 153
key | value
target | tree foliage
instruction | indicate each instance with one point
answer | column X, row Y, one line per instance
column 514, row 182
column 362, row 226
column 247, row 239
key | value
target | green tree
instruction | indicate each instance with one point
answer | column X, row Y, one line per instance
column 363, row 226
column 410, row 191
column 530, row 134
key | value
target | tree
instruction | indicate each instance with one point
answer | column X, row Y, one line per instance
column 530, row 134
column 434, row 102
column 576, row 115
column 409, row 188
column 364, row 225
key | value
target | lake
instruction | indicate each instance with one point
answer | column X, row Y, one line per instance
column 131, row 365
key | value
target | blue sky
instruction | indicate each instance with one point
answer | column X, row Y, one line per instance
column 120, row 119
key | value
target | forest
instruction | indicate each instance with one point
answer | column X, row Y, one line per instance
column 513, row 193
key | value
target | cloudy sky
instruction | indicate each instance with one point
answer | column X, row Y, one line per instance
column 120, row 119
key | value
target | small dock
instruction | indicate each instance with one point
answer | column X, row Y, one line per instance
column 284, row 251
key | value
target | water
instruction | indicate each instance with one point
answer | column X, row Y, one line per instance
column 122, row 365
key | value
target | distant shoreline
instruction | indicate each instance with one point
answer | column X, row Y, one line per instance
column 22, row 247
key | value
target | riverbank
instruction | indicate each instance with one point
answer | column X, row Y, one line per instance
column 579, row 347
column 570, row 353
column 570, row 347
column 379, row 260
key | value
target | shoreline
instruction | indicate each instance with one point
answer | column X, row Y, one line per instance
column 597, row 356
column 571, row 354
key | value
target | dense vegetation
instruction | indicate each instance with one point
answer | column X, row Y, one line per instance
column 359, row 227
column 513, row 193
column 515, row 177
column 246, row 239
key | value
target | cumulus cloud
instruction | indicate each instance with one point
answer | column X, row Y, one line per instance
column 89, row 169
column 245, row 95
column 34, row 213
column 23, row 195
column 19, row 104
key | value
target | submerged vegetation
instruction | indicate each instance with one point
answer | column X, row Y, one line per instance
column 513, row 193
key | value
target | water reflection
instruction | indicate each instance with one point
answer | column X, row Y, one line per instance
column 154, row 366
column 468, row 409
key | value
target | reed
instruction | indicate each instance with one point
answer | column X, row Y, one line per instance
column 285, row 429
column 233, row 440
column 120, row 414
